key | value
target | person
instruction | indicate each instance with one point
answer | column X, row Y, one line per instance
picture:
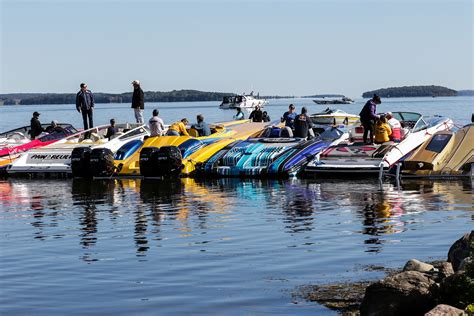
column 54, row 127
column 265, row 116
column 302, row 124
column 178, row 128
column 85, row 105
column 201, row 126
column 382, row 130
column 35, row 126
column 256, row 115
column 395, row 126
column 156, row 124
column 239, row 115
column 289, row 116
column 138, row 101
column 368, row 116
column 111, row 130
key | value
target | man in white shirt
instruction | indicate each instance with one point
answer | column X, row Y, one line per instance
column 156, row 124
column 395, row 126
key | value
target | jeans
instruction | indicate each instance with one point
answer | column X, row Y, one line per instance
column 138, row 115
column 87, row 114
column 172, row 132
column 368, row 128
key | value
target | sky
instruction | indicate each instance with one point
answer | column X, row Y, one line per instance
column 272, row 47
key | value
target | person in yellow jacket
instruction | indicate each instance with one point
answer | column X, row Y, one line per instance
column 382, row 131
column 178, row 128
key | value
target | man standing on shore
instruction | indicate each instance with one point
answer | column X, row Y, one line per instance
column 138, row 101
column 85, row 105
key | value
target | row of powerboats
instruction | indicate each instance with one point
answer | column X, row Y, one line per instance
column 429, row 147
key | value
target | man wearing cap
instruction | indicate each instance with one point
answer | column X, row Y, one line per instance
column 85, row 105
column 368, row 116
column 138, row 101
column 35, row 126
column 289, row 116
column 256, row 115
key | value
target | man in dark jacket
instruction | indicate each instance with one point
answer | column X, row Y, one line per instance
column 368, row 115
column 256, row 115
column 85, row 105
column 35, row 126
column 302, row 124
column 138, row 101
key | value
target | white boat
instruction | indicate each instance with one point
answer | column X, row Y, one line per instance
column 334, row 117
column 356, row 157
column 56, row 158
column 242, row 101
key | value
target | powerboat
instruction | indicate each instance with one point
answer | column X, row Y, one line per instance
column 244, row 101
column 190, row 154
column 343, row 100
column 445, row 154
column 75, row 153
column 128, row 158
column 355, row 157
column 274, row 153
column 15, row 142
column 335, row 117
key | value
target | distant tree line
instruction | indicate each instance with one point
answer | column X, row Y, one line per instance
column 465, row 92
column 150, row 96
column 412, row 91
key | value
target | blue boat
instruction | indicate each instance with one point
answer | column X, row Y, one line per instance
column 273, row 153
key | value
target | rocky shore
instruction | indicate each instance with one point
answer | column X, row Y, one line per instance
column 436, row 288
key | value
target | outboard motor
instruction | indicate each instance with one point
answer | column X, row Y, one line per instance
column 165, row 161
column 102, row 162
column 80, row 162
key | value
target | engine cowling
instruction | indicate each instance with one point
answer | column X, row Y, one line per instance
column 102, row 162
column 165, row 161
column 80, row 162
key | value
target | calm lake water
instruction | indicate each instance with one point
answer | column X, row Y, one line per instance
column 223, row 247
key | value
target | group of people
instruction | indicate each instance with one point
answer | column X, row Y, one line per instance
column 379, row 128
column 36, row 128
column 257, row 115
column 300, row 124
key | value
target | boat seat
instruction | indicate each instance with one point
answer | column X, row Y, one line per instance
column 193, row 132
column 286, row 132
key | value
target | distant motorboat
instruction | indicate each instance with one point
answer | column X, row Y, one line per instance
column 343, row 100
column 334, row 117
column 243, row 101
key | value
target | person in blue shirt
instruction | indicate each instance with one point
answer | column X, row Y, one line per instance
column 289, row 116
column 239, row 115
column 201, row 126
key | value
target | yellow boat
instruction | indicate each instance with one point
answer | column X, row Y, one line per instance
column 127, row 159
column 446, row 153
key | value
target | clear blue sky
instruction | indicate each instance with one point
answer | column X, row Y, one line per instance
column 275, row 47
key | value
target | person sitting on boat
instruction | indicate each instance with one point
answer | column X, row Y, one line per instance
column 256, row 115
column 111, row 130
column 368, row 117
column 54, row 127
column 302, row 124
column 201, row 127
column 265, row 117
column 382, row 130
column 35, row 126
column 239, row 115
column 156, row 124
column 289, row 116
column 178, row 128
column 396, row 127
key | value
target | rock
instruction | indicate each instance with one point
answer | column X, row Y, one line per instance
column 445, row 269
column 416, row 265
column 457, row 290
column 461, row 249
column 407, row 293
column 445, row 310
column 464, row 263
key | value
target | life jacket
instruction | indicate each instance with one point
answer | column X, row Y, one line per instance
column 381, row 133
column 396, row 129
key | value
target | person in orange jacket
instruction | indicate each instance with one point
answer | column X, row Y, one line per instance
column 178, row 128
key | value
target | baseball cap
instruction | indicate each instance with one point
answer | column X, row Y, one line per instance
column 36, row 113
column 137, row 82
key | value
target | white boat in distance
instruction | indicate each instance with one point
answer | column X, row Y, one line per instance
column 243, row 101
column 343, row 100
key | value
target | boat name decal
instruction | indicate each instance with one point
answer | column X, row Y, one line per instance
column 51, row 157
